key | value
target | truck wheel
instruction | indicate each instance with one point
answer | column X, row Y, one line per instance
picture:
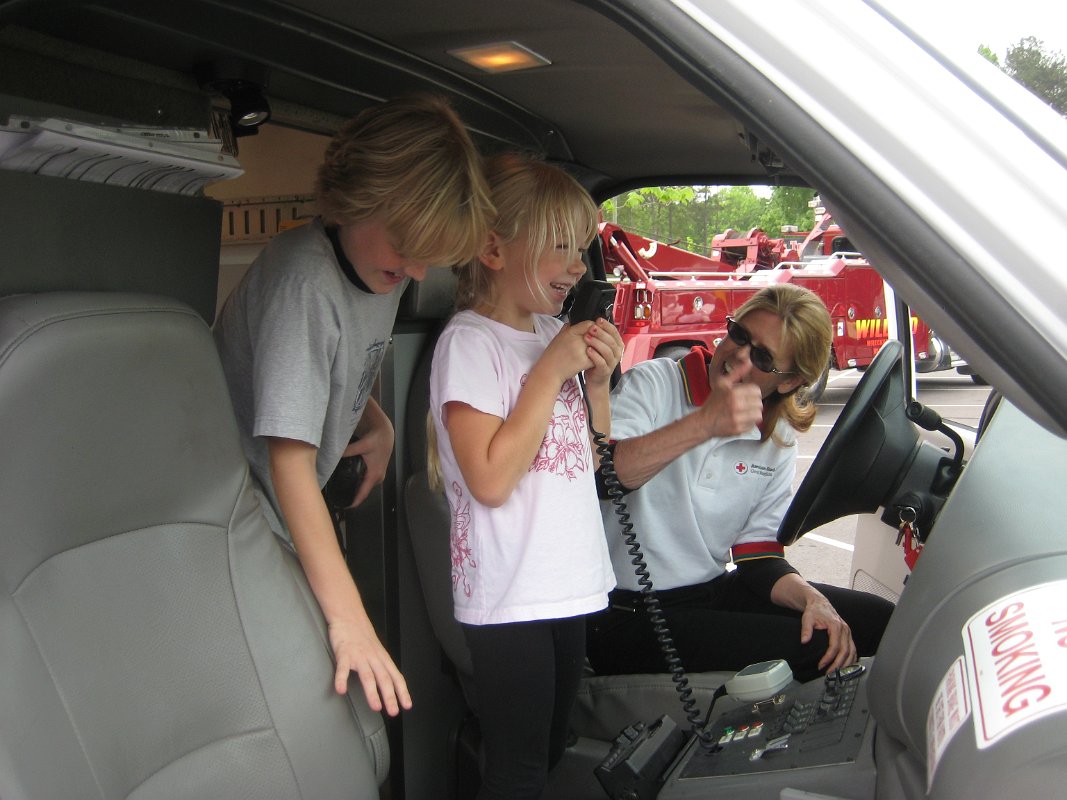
column 814, row 392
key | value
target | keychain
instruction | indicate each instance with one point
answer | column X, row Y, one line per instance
column 908, row 535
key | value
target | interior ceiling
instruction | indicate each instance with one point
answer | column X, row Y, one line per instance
column 337, row 56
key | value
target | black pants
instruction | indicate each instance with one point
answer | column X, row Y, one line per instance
column 722, row 625
column 526, row 676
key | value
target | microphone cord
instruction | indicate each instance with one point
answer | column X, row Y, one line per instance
column 644, row 580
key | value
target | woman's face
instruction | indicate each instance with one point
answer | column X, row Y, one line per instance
column 763, row 332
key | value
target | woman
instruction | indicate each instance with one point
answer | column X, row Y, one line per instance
column 706, row 456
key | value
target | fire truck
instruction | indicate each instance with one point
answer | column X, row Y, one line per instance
column 669, row 299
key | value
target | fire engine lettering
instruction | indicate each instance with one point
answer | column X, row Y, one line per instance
column 1021, row 684
column 870, row 328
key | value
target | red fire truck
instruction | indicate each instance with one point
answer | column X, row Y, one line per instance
column 669, row 299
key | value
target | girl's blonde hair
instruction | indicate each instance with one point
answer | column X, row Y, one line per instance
column 411, row 160
column 534, row 200
column 807, row 329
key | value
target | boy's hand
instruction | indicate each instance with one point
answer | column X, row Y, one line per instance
column 605, row 348
column 356, row 649
column 375, row 444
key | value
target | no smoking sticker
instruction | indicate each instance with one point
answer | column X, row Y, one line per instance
column 1016, row 657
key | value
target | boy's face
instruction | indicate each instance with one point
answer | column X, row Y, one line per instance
column 369, row 247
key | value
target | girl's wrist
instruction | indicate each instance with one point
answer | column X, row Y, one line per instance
column 594, row 381
column 542, row 371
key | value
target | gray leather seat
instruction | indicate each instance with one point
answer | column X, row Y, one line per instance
column 156, row 641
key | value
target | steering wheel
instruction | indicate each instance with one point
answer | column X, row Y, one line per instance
column 867, row 452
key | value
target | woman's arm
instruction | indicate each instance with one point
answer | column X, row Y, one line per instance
column 732, row 407
column 792, row 591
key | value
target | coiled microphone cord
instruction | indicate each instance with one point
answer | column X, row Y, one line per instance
column 644, row 580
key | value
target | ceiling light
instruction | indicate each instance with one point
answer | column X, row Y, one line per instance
column 500, row 57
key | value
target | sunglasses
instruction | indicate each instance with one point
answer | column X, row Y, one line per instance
column 760, row 357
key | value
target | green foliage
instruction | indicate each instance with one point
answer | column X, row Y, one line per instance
column 788, row 206
column 988, row 55
column 690, row 216
column 1043, row 73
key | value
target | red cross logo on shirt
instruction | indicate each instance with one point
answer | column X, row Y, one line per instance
column 740, row 467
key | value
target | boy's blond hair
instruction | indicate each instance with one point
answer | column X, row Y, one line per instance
column 807, row 328
column 412, row 161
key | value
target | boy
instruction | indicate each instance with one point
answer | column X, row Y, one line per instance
column 302, row 338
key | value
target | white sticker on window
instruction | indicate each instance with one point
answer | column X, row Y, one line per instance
column 949, row 709
column 1016, row 652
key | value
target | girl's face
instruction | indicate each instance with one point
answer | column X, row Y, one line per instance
column 522, row 291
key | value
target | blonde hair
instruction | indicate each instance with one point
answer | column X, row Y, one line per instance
column 411, row 160
column 534, row 200
column 807, row 330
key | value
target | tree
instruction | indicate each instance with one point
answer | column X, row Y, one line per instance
column 788, row 205
column 1043, row 73
column 988, row 55
column 690, row 216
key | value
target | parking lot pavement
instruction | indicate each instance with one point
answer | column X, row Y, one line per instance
column 825, row 554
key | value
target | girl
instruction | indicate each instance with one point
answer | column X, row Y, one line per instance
column 529, row 559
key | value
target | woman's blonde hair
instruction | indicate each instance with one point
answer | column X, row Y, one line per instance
column 411, row 160
column 807, row 329
column 534, row 200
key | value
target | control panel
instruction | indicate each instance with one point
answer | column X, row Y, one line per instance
column 783, row 741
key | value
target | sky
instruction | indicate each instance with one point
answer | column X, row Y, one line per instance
column 998, row 24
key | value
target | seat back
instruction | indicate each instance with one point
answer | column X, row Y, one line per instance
column 156, row 640
column 429, row 523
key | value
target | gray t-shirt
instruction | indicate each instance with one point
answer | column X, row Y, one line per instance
column 301, row 346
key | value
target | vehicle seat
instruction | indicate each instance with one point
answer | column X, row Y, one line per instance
column 156, row 639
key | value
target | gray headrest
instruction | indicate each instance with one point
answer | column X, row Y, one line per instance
column 110, row 448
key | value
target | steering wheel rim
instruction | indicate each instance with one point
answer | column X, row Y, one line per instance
column 866, row 451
